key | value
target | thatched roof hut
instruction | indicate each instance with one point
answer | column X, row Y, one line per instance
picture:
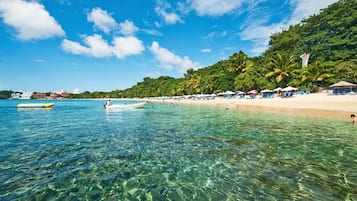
column 343, row 85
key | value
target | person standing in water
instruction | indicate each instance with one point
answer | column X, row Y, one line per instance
column 353, row 116
column 108, row 103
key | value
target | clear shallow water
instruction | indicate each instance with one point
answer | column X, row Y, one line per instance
column 79, row 151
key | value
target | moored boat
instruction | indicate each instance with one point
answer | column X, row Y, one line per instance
column 35, row 105
column 125, row 106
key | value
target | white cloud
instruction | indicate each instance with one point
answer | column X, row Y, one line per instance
column 65, row 2
column 183, row 8
column 214, row 7
column 259, row 31
column 74, row 47
column 206, row 50
column 96, row 47
column 169, row 18
column 102, row 20
column 166, row 58
column 169, row 60
column 260, row 35
column 154, row 75
column 99, row 48
column 157, row 24
column 127, row 46
column 128, row 28
column 29, row 19
column 306, row 8
column 152, row 32
column 216, row 34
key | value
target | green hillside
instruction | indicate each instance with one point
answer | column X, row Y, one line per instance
column 329, row 37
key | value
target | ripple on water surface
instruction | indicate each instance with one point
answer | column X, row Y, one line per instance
column 78, row 151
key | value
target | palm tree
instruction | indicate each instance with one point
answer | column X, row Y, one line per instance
column 347, row 70
column 181, row 88
column 189, row 73
column 211, row 81
column 283, row 68
column 315, row 73
column 194, row 83
column 239, row 62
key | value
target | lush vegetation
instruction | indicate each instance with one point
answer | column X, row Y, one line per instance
column 5, row 94
column 329, row 37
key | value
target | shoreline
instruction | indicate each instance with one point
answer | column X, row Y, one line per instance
column 319, row 105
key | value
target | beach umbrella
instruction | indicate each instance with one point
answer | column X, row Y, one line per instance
column 241, row 93
column 226, row 93
column 267, row 91
column 230, row 93
column 289, row 88
column 253, row 92
column 277, row 89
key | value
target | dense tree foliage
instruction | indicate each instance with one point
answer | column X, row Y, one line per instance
column 5, row 94
column 329, row 37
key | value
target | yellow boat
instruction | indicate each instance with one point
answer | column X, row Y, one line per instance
column 35, row 105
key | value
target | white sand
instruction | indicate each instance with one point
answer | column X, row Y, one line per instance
column 320, row 105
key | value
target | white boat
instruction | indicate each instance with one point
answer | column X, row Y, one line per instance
column 125, row 106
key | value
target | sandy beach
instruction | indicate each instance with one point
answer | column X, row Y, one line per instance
column 320, row 105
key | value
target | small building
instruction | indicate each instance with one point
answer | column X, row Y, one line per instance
column 54, row 96
column 38, row 95
column 64, row 94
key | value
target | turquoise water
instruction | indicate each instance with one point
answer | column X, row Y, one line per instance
column 79, row 151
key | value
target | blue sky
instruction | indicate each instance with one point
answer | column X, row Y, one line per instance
column 103, row 45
